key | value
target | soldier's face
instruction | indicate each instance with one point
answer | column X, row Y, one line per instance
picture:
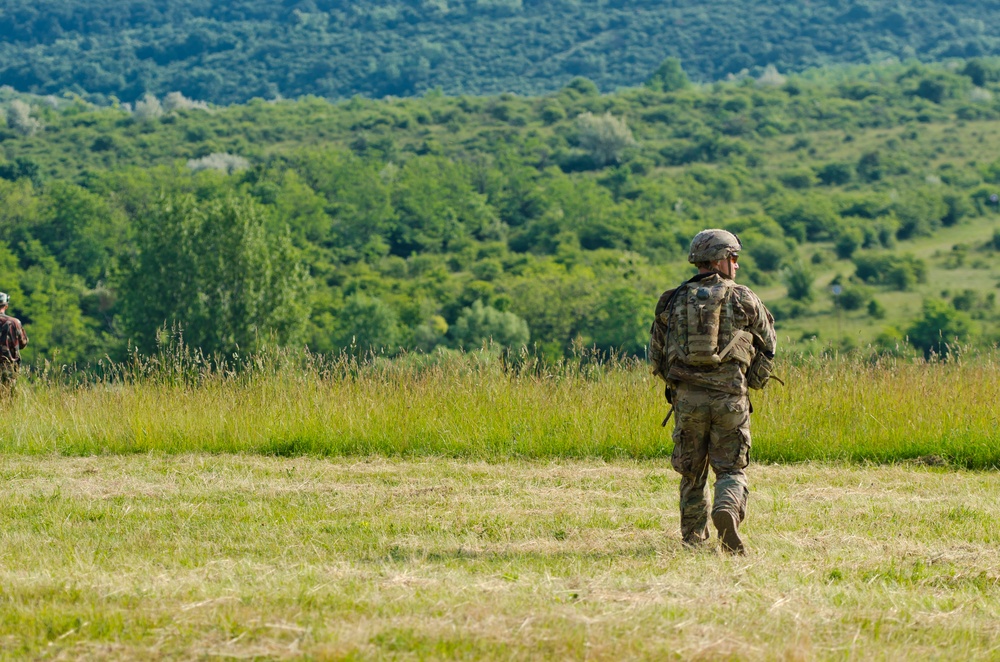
column 727, row 267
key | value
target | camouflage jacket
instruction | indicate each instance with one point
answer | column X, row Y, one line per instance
column 746, row 313
column 12, row 339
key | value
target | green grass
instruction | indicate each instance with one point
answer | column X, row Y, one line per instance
column 477, row 407
column 195, row 556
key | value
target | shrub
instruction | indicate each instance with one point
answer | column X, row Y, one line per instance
column 20, row 120
column 368, row 325
column 604, row 137
column 853, row 297
column 787, row 309
column 147, row 109
column 900, row 272
column 801, row 178
column 848, row 241
column 227, row 163
column 835, row 174
column 479, row 324
column 940, row 328
column 669, row 77
column 177, row 101
column 799, row 280
column 768, row 254
column 876, row 309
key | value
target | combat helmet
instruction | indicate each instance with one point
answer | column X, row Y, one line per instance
column 712, row 245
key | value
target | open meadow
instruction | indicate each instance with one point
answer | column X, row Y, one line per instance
column 204, row 556
column 473, row 507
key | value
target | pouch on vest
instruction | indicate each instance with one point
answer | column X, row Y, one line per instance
column 704, row 310
column 759, row 372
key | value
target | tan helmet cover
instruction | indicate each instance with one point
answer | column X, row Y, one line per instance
column 712, row 245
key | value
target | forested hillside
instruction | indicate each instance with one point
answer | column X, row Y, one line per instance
column 867, row 203
column 230, row 52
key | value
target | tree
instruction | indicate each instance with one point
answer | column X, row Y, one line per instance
column 215, row 270
column 20, row 120
column 479, row 324
column 621, row 322
column 799, row 280
column 148, row 109
column 604, row 137
column 436, row 206
column 368, row 325
column 669, row 77
column 940, row 328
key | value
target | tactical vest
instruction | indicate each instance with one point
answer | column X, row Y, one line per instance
column 694, row 326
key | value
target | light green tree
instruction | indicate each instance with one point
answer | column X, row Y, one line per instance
column 605, row 137
column 480, row 324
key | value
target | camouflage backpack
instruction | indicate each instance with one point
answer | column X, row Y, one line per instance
column 694, row 325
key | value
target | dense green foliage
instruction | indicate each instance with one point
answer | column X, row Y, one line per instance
column 444, row 221
column 234, row 51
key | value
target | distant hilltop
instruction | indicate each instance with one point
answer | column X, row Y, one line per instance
column 229, row 52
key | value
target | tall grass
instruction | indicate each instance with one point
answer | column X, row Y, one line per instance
column 488, row 406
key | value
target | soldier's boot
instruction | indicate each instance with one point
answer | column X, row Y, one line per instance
column 729, row 534
column 695, row 540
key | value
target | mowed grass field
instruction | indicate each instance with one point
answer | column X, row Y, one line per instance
column 468, row 508
column 201, row 556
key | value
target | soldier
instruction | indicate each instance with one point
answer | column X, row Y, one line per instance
column 12, row 341
column 712, row 339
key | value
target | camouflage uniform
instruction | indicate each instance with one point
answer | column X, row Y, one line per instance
column 12, row 341
column 713, row 421
column 711, row 404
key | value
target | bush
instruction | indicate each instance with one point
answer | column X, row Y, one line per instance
column 20, row 120
column 147, row 109
column 853, row 297
column 227, row 163
column 900, row 272
column 605, row 138
column 368, row 325
column 768, row 254
column 479, row 324
column 787, row 309
column 799, row 280
column 921, row 212
column 797, row 179
column 669, row 77
column 876, row 309
column 940, row 328
column 848, row 241
column 835, row 174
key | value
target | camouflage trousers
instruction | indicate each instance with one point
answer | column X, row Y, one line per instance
column 712, row 429
column 8, row 379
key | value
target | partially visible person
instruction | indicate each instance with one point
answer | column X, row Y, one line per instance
column 12, row 341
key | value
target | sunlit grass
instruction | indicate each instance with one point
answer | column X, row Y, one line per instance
column 197, row 556
column 484, row 407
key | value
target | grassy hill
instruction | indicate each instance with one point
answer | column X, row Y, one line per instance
column 437, row 222
column 231, row 52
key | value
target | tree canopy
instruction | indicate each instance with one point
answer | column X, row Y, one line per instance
column 234, row 51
